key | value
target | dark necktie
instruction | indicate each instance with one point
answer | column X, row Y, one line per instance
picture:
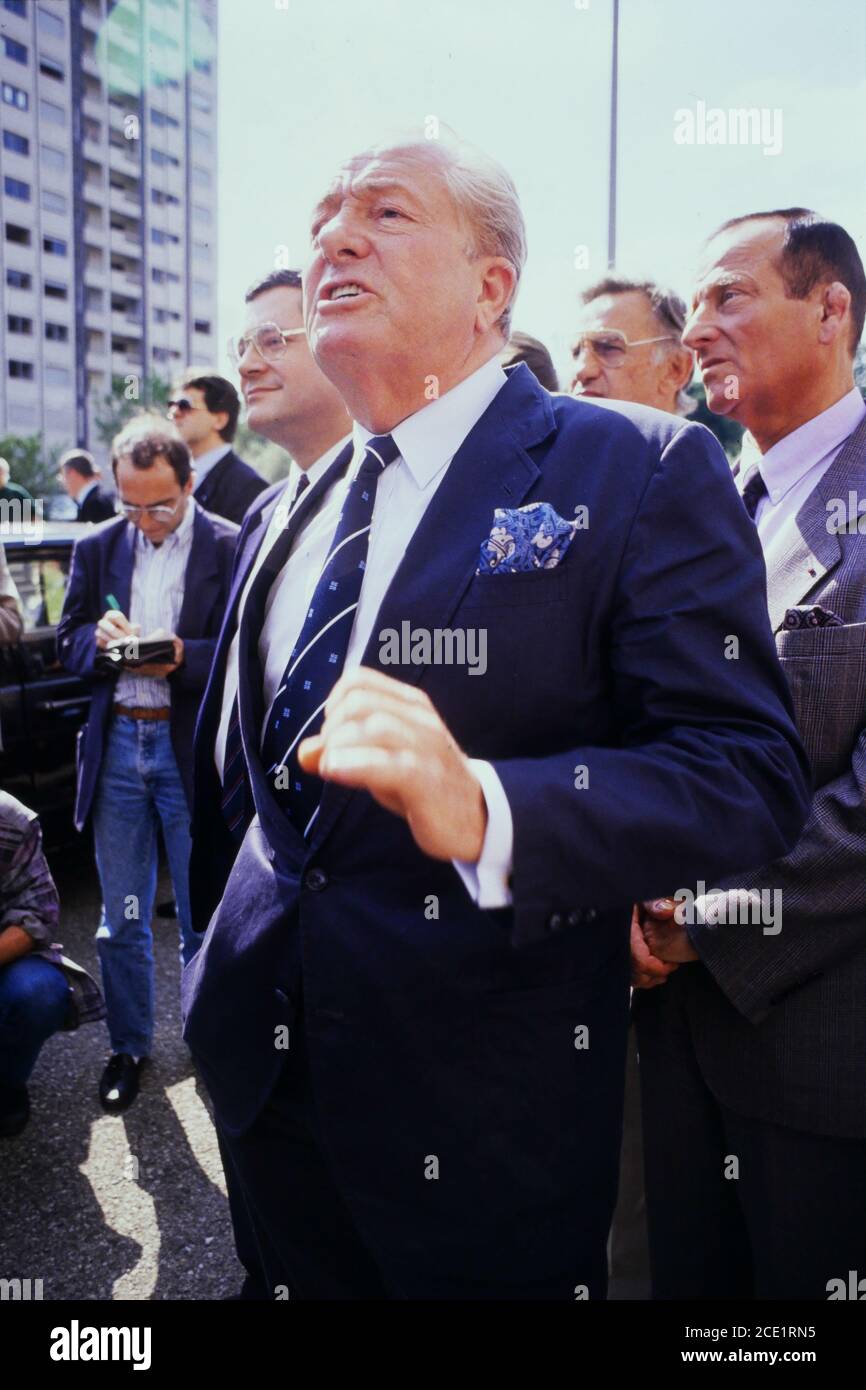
column 236, row 801
column 319, row 653
column 754, row 488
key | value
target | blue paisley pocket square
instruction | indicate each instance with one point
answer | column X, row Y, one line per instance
column 810, row 615
column 534, row 537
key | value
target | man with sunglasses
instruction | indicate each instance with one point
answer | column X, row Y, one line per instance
column 161, row 570
column 628, row 348
column 204, row 410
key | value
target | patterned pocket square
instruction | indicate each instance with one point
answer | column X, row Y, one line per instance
column 534, row 537
column 811, row 616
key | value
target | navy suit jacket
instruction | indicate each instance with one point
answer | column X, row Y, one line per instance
column 102, row 565
column 230, row 488
column 494, row 1041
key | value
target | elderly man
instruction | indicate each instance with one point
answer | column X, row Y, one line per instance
column 410, row 1006
column 753, row 1054
column 628, row 347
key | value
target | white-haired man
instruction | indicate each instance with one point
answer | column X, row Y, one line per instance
column 410, row 1006
column 627, row 346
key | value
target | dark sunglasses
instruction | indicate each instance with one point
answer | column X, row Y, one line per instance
column 182, row 405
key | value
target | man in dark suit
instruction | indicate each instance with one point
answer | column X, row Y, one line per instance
column 80, row 477
column 160, row 571
column 753, row 1054
column 204, row 408
column 410, row 1005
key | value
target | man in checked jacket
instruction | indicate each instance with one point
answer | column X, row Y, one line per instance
column 753, row 1061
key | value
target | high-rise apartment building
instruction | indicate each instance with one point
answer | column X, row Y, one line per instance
column 108, row 158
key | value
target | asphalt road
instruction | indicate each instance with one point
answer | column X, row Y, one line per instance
column 130, row 1206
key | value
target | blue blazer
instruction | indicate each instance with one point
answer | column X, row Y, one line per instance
column 494, row 1041
column 101, row 565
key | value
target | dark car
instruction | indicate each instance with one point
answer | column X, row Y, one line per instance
column 42, row 707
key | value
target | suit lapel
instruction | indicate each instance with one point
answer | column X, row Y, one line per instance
column 120, row 567
column 201, row 582
column 490, row 469
column 811, row 549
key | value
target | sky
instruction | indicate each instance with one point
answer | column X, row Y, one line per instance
column 304, row 83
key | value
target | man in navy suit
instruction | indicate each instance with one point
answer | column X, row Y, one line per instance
column 160, row 570
column 468, row 664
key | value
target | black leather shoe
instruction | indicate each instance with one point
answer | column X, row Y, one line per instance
column 14, row 1110
column 118, row 1085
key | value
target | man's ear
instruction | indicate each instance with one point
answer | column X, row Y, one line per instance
column 222, row 417
column 497, row 289
column 680, row 368
column 835, row 312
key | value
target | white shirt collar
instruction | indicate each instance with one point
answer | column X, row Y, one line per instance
column 205, row 462
column 315, row 470
column 787, row 462
column 430, row 438
column 86, row 491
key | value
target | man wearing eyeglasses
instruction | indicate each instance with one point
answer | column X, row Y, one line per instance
column 204, row 410
column 160, row 571
column 628, row 348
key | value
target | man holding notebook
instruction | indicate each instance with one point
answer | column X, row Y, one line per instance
column 144, row 607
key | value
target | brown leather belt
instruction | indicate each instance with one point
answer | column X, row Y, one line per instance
column 142, row 712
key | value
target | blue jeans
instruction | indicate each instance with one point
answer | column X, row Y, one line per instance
column 139, row 787
column 34, row 997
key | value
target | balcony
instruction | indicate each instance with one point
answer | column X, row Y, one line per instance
column 126, row 158
column 125, row 203
column 126, row 324
column 94, row 150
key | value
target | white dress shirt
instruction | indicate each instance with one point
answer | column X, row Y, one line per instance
column 794, row 467
column 205, row 462
column 427, row 440
column 156, row 598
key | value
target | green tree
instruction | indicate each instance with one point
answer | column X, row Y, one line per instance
column 129, row 396
column 31, row 464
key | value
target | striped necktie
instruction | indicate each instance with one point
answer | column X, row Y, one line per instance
column 319, row 653
column 236, row 801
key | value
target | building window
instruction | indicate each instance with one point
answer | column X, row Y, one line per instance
column 164, row 277
column 200, row 102
column 51, row 158
column 22, row 371
column 16, row 188
column 14, row 50
column 50, row 23
column 162, row 159
column 161, row 118
column 56, row 376
column 49, row 68
column 19, row 280
column 50, row 112
column 16, row 323
column 202, row 250
column 53, row 202
column 166, row 316
column 15, row 7
column 53, row 246
column 18, row 144
column 13, row 96
column 202, row 65
column 52, row 289
column 163, row 199
column 57, row 332
column 200, row 176
column 202, row 325
column 19, row 235
column 163, row 238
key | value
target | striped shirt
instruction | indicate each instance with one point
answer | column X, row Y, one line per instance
column 158, row 578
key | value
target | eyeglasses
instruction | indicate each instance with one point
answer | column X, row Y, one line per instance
column 611, row 346
column 268, row 339
column 182, row 405
column 158, row 512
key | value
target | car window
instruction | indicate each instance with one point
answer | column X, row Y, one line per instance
column 41, row 582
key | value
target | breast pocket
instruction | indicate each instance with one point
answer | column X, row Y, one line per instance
column 826, row 671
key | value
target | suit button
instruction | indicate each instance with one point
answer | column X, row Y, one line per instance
column 555, row 921
column 575, row 918
column 315, row 880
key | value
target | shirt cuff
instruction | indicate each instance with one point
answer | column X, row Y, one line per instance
column 487, row 881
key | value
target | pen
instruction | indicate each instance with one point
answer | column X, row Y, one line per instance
column 111, row 602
